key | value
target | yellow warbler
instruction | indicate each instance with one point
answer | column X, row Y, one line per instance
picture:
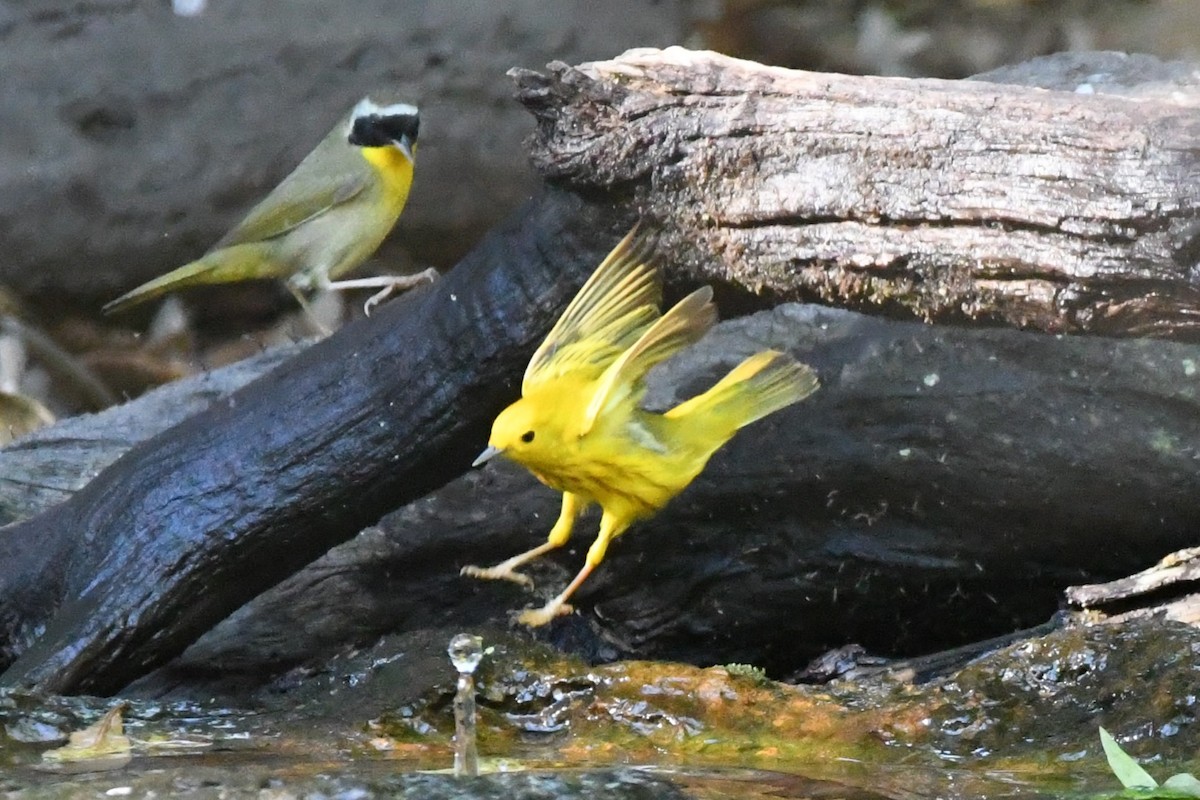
column 579, row 427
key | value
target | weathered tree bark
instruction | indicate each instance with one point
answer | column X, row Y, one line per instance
column 1166, row 590
column 191, row 524
column 948, row 201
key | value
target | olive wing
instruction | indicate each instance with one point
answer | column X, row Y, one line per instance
column 332, row 174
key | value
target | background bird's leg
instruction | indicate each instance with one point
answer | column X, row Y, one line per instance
column 572, row 506
column 610, row 528
column 298, row 293
column 387, row 284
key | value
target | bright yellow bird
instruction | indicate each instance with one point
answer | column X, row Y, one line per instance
column 580, row 429
column 326, row 217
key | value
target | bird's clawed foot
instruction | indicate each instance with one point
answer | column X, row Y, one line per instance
column 504, row 571
column 536, row 617
column 399, row 283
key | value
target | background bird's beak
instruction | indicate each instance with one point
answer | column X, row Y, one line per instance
column 405, row 145
column 486, row 455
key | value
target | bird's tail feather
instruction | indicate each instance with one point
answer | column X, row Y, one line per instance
column 760, row 385
column 226, row 265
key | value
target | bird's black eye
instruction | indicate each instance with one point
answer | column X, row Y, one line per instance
column 527, row 437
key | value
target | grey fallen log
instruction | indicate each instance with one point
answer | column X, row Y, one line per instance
column 950, row 201
column 49, row 465
column 189, row 525
column 944, row 485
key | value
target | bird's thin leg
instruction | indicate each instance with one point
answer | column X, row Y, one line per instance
column 572, row 506
column 610, row 528
column 387, row 284
column 307, row 308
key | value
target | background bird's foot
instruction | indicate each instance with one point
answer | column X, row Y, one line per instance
column 399, row 283
column 501, row 572
column 536, row 617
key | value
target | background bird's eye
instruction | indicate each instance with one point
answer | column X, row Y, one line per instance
column 527, row 437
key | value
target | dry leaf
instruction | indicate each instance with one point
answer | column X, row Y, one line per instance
column 96, row 748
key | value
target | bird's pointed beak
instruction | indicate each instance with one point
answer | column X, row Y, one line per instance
column 405, row 146
column 486, row 455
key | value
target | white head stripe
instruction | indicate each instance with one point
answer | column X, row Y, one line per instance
column 366, row 106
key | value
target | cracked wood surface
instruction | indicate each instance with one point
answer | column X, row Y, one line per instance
column 952, row 201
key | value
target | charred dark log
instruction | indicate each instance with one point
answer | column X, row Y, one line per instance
column 948, row 201
column 944, row 485
column 191, row 524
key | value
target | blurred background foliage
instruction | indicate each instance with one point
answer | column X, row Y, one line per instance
column 931, row 38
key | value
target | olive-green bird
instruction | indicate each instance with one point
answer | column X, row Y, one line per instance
column 327, row 217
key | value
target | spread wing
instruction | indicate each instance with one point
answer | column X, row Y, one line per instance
column 623, row 379
column 616, row 305
column 330, row 175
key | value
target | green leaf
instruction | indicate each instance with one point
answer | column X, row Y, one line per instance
column 1128, row 771
column 1184, row 783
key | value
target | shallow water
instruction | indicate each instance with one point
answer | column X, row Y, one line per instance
column 234, row 774
column 1019, row 721
column 186, row 750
